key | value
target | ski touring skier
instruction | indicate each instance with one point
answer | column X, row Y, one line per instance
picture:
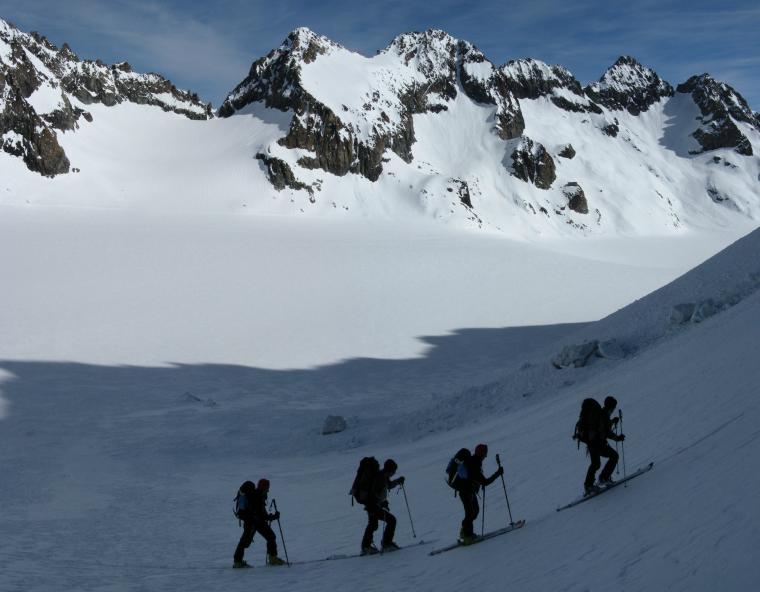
column 595, row 426
column 375, row 501
column 469, row 481
column 251, row 509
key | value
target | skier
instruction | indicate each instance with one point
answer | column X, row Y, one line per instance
column 598, row 429
column 468, row 491
column 256, row 519
column 377, row 510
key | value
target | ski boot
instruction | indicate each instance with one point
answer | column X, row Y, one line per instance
column 590, row 490
column 273, row 560
column 467, row 539
column 240, row 564
column 370, row 550
column 606, row 482
column 389, row 547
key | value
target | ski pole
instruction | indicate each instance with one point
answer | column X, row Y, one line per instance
column 282, row 538
column 483, row 514
column 408, row 511
column 617, row 467
column 622, row 444
column 506, row 497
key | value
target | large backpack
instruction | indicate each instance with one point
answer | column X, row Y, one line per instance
column 361, row 490
column 456, row 470
column 243, row 501
column 588, row 428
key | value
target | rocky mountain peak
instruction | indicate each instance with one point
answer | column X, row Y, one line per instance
column 720, row 106
column 712, row 96
column 44, row 89
column 628, row 85
column 531, row 79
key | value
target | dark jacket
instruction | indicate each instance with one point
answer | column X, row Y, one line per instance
column 475, row 477
column 380, row 487
column 257, row 507
column 605, row 429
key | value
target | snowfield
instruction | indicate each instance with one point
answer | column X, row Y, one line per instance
column 152, row 362
column 171, row 325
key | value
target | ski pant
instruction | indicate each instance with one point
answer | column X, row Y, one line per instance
column 374, row 516
column 595, row 452
column 471, row 511
column 250, row 528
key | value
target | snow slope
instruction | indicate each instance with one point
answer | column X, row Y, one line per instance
column 123, row 474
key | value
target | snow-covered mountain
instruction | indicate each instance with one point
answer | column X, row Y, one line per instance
column 45, row 89
column 428, row 127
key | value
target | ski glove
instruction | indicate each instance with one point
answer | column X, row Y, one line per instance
column 500, row 471
column 621, row 437
column 615, row 421
column 401, row 480
column 275, row 516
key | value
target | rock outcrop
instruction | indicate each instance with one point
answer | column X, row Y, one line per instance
column 576, row 198
column 44, row 89
column 531, row 79
column 532, row 163
column 429, row 68
column 629, row 86
column 721, row 107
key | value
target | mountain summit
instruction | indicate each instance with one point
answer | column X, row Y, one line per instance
column 428, row 126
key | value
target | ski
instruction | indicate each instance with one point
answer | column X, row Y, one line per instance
column 627, row 478
column 480, row 539
column 340, row 556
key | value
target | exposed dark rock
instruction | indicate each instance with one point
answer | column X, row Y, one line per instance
column 33, row 138
column 280, row 174
column 567, row 152
column 463, row 191
column 576, row 197
column 443, row 62
column 719, row 103
column 531, row 79
column 532, row 163
column 611, row 129
column 627, row 85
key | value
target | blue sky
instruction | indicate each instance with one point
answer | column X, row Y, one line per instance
column 208, row 46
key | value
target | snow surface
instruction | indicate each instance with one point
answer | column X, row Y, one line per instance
column 123, row 468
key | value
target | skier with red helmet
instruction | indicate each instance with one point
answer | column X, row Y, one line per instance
column 253, row 513
column 468, row 490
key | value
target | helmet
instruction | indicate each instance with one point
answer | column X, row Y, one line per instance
column 390, row 466
column 481, row 450
column 610, row 402
column 263, row 485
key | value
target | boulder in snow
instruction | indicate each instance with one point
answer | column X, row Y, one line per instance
column 334, row 424
column 704, row 310
column 576, row 198
column 610, row 349
column 682, row 313
column 576, row 356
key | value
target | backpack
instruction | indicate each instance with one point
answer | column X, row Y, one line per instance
column 456, row 470
column 587, row 429
column 361, row 490
column 243, row 500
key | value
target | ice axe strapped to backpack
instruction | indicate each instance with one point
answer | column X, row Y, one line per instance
column 361, row 490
